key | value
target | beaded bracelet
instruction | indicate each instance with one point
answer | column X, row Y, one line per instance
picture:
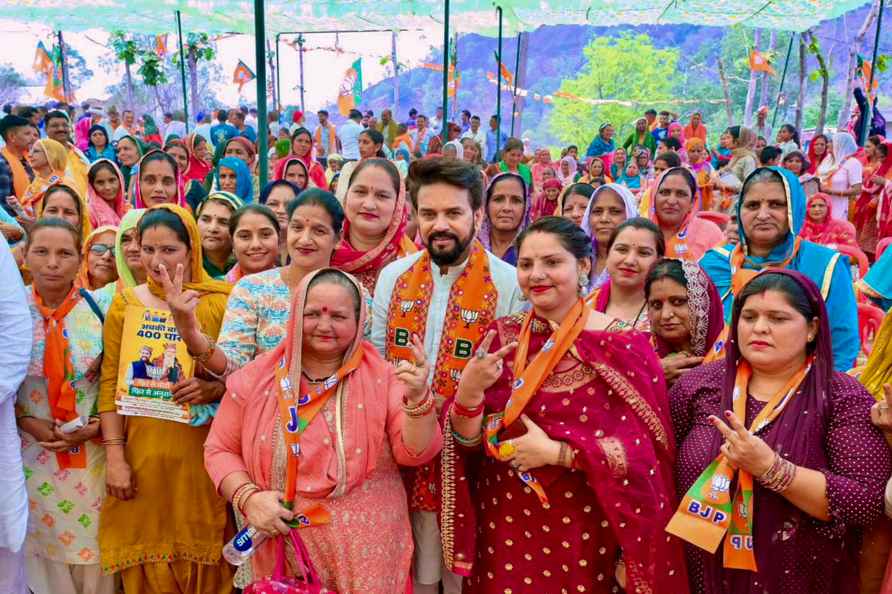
column 468, row 443
column 464, row 411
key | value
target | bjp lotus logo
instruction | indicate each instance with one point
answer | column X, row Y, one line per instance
column 469, row 316
column 406, row 305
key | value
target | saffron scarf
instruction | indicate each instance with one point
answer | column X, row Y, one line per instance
column 57, row 157
column 527, row 381
column 101, row 213
column 707, row 513
column 471, row 308
column 83, row 275
column 59, row 371
column 366, row 265
column 20, row 179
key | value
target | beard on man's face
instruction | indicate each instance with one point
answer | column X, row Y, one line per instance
column 450, row 255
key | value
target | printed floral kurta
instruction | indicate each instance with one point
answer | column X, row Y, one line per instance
column 63, row 505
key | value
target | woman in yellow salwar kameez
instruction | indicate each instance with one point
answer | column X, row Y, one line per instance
column 163, row 526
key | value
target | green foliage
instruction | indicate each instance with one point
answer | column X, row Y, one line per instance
column 125, row 47
column 12, row 84
column 152, row 70
column 200, row 44
column 813, row 109
column 627, row 68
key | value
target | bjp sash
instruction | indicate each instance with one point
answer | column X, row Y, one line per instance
column 740, row 276
column 470, row 310
column 707, row 512
column 59, row 371
column 527, row 381
column 296, row 415
column 20, row 179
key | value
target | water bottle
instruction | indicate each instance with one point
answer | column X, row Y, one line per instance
column 243, row 545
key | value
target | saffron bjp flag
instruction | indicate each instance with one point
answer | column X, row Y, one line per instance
column 161, row 45
column 242, row 75
column 506, row 74
column 350, row 89
column 865, row 67
column 759, row 63
column 43, row 62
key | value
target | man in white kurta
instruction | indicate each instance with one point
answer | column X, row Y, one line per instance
column 15, row 336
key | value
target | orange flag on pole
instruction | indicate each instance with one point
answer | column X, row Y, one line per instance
column 758, row 63
column 350, row 89
column 242, row 75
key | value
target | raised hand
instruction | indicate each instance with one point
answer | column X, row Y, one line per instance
column 743, row 449
column 484, row 368
column 414, row 375
column 182, row 303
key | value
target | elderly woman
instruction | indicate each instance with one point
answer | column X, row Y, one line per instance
column 65, row 468
column 531, row 502
column 362, row 540
column 255, row 231
column 162, row 526
column 234, row 177
column 771, row 213
column 506, row 213
column 687, row 236
column 609, row 207
column 573, row 202
column 685, row 313
column 820, row 226
column 794, row 440
column 374, row 232
column 128, row 256
column 844, row 181
column 634, row 246
column 729, row 179
column 98, row 267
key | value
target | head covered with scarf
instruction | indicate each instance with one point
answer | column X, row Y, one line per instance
column 829, row 230
column 101, row 212
column 65, row 185
column 796, row 204
column 244, row 186
column 128, row 222
column 486, row 226
column 284, row 164
column 83, row 276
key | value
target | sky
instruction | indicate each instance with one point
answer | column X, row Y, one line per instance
column 323, row 69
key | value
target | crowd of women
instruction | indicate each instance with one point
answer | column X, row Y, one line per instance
column 427, row 371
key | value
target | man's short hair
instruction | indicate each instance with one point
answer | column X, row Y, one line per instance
column 671, row 159
column 652, row 112
column 322, row 112
column 459, row 174
column 475, row 117
column 672, row 143
column 769, row 154
column 664, row 113
column 465, row 112
column 355, row 114
column 56, row 114
column 10, row 123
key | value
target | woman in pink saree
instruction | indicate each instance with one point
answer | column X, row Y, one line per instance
column 372, row 418
column 558, row 461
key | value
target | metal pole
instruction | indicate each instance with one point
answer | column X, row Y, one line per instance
column 278, row 75
column 66, row 83
column 865, row 127
column 499, row 87
column 183, row 70
column 783, row 78
column 260, row 56
column 445, row 122
column 516, row 77
column 396, row 74
column 300, row 51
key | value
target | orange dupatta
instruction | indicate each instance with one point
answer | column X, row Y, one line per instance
column 20, row 180
column 59, row 371
column 527, row 381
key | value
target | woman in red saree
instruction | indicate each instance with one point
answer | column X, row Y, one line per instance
column 569, row 474
column 376, row 218
column 820, row 226
column 877, row 172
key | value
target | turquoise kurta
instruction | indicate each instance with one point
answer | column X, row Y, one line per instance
column 827, row 268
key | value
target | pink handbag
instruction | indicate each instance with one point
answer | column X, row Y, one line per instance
column 280, row 583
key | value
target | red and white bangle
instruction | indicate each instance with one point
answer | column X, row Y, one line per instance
column 463, row 411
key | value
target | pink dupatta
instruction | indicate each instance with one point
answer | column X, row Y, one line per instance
column 101, row 214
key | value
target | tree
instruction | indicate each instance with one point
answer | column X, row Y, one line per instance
column 153, row 75
column 11, row 84
column 198, row 48
column 626, row 68
column 751, row 87
column 126, row 51
column 822, row 72
column 852, row 65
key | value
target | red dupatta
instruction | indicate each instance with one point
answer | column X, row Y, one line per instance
column 830, row 231
column 197, row 169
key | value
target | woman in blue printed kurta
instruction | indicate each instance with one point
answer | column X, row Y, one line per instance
column 827, row 268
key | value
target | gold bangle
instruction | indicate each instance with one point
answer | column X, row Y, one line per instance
column 114, row 441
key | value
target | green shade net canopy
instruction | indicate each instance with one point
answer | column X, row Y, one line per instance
column 236, row 16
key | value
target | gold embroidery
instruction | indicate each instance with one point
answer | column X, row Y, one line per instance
column 616, row 456
column 447, row 495
column 570, row 379
column 641, row 407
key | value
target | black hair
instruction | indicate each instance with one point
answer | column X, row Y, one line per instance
column 388, row 167
column 650, row 112
column 665, row 113
column 581, row 189
column 269, row 187
column 684, row 173
column 222, row 115
column 355, row 114
column 377, row 138
column 640, row 223
column 336, row 277
column 475, row 117
column 466, row 112
column 671, row 159
column 55, row 114
column 161, row 217
column 792, row 130
column 259, row 209
column 459, row 174
column 326, row 200
column 335, row 179
column 68, row 190
column 413, row 112
column 10, row 123
column 54, row 223
column 158, row 155
column 300, row 131
column 769, row 154
column 322, row 112
column 670, row 268
column 572, row 147
column 792, row 291
column 297, row 161
column 672, row 143
column 572, row 238
column 96, row 167
column 512, row 144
